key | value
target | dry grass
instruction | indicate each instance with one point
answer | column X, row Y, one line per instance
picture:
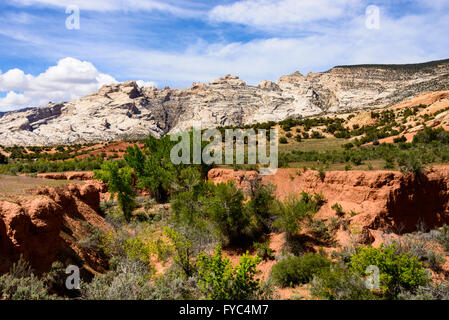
column 313, row 145
column 18, row 186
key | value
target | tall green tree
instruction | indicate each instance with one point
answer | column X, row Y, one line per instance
column 152, row 166
column 119, row 182
column 227, row 211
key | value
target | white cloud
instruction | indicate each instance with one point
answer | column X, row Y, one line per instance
column 266, row 13
column 112, row 5
column 69, row 79
column 330, row 35
column 13, row 99
column 14, row 79
column 408, row 40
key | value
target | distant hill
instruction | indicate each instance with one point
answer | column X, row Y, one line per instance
column 125, row 110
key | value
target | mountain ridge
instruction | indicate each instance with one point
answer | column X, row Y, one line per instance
column 127, row 111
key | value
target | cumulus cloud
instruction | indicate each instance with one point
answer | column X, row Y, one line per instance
column 331, row 32
column 69, row 79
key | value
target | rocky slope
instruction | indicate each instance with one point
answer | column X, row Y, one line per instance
column 385, row 202
column 126, row 111
column 48, row 226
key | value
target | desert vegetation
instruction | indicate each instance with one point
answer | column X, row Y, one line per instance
column 176, row 235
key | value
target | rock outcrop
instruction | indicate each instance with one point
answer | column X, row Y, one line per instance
column 80, row 175
column 125, row 110
column 48, row 227
column 385, row 202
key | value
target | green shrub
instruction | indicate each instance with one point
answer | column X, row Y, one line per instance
column 21, row 284
column 320, row 230
column 292, row 270
column 433, row 291
column 174, row 285
column 283, row 140
column 317, row 135
column 183, row 251
column 412, row 164
column 397, row 270
column 356, row 160
column 443, row 237
column 389, row 163
column 218, row 280
column 119, row 182
column 261, row 203
column 227, row 212
column 337, row 283
column 152, row 166
column 338, row 209
column 92, row 239
column 400, row 139
column 224, row 210
column 263, row 250
column 321, row 174
column 130, row 281
column 292, row 211
column 348, row 146
column 435, row 260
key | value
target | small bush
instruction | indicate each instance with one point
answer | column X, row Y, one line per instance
column 321, row 174
column 435, row 260
column 292, row 271
column 292, row 210
column 412, row 164
column 338, row 209
column 263, row 250
column 337, row 283
column 317, row 135
column 348, row 146
column 443, row 237
column 21, row 284
column 400, row 139
column 218, row 280
column 320, row 230
column 130, row 281
column 397, row 271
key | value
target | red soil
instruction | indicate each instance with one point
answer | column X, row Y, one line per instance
column 49, row 225
column 384, row 201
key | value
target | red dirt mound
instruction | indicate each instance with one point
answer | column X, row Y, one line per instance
column 48, row 226
column 81, row 176
column 379, row 200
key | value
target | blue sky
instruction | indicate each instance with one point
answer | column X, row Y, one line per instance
column 176, row 43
